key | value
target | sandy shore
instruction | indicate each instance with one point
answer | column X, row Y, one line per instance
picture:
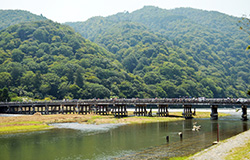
column 25, row 123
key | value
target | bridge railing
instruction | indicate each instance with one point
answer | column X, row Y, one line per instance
column 196, row 101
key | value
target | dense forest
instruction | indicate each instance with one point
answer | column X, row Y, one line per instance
column 198, row 53
column 148, row 53
column 47, row 59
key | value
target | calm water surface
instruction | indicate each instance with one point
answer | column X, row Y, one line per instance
column 140, row 141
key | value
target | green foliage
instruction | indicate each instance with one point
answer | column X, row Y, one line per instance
column 4, row 95
column 148, row 53
column 12, row 17
column 185, row 52
column 52, row 61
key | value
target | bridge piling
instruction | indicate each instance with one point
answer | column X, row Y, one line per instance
column 244, row 113
column 142, row 110
column 214, row 112
column 162, row 110
column 102, row 109
column 187, row 111
column 120, row 110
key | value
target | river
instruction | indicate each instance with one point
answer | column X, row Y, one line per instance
column 110, row 141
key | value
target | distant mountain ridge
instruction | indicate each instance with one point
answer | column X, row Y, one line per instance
column 210, row 42
column 12, row 17
column 151, row 52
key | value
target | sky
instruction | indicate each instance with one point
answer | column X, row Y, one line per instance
column 81, row 10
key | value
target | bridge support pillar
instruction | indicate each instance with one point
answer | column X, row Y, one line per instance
column 187, row 112
column 102, row 109
column 84, row 109
column 140, row 110
column 214, row 112
column 46, row 111
column 120, row 110
column 162, row 110
column 61, row 108
column 33, row 110
column 20, row 109
column 244, row 113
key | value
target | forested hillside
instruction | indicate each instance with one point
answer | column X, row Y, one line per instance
column 11, row 17
column 148, row 53
column 182, row 52
column 47, row 59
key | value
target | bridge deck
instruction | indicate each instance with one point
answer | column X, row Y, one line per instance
column 165, row 101
column 118, row 107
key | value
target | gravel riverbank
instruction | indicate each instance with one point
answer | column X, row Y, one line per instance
column 221, row 150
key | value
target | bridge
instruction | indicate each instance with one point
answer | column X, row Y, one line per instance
column 118, row 107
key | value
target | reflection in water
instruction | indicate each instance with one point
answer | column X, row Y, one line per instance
column 77, row 141
column 245, row 126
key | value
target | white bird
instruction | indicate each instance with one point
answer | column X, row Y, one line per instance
column 196, row 128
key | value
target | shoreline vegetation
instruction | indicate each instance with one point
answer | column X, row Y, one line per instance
column 37, row 122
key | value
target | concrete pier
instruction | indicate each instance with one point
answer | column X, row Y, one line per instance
column 214, row 112
column 244, row 113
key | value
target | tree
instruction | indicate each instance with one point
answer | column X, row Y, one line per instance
column 41, row 34
column 151, row 78
column 244, row 24
column 5, row 79
column 17, row 55
column 94, row 90
column 50, row 84
column 79, row 78
column 130, row 62
column 4, row 95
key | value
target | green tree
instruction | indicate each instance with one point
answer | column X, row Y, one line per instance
column 244, row 24
column 5, row 79
column 4, row 95
column 79, row 78
column 130, row 62
column 17, row 55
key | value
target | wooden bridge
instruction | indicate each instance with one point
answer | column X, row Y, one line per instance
column 118, row 107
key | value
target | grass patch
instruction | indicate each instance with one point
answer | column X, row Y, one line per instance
column 24, row 122
column 178, row 158
column 240, row 152
column 23, row 128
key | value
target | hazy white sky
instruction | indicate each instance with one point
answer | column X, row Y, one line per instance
column 81, row 10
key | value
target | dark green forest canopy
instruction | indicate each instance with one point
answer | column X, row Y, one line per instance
column 198, row 53
column 47, row 59
column 148, row 53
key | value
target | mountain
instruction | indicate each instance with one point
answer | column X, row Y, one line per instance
column 151, row 52
column 179, row 52
column 11, row 17
column 46, row 59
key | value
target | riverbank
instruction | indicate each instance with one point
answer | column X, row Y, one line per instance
column 36, row 122
column 235, row 148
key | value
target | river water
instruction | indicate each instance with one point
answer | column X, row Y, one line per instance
column 118, row 141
